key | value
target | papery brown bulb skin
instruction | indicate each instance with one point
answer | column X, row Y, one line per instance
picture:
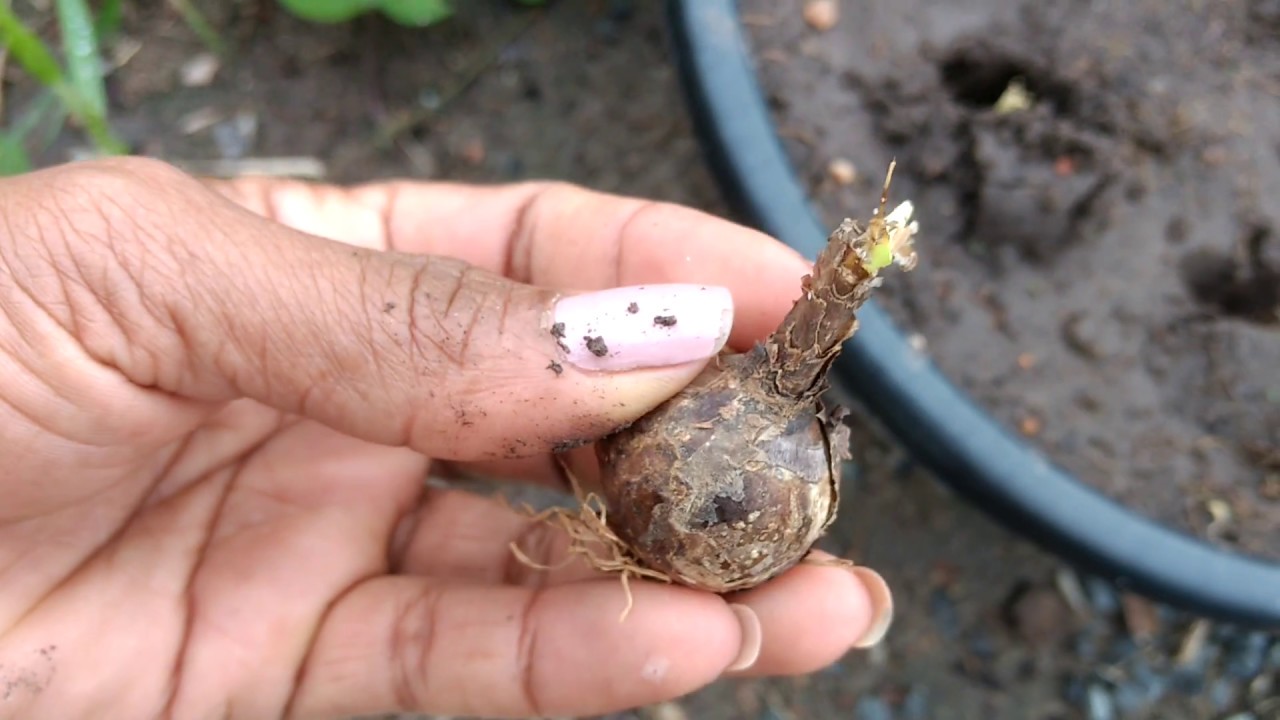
column 728, row 483
column 731, row 481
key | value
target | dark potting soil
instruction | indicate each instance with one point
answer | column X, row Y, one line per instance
column 1100, row 255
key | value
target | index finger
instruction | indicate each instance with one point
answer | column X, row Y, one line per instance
column 549, row 234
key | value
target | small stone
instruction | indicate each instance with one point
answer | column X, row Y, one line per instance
column 1088, row 401
column 1030, row 425
column 1262, row 687
column 1085, row 646
column 821, row 15
column 1189, row 677
column 1273, row 657
column 944, row 613
column 1015, row 98
column 1099, row 704
column 1141, row 689
column 1074, row 691
column 1191, row 650
column 1140, row 617
column 199, row 119
column 1119, row 651
column 1269, row 488
column 235, row 137
column 915, row 704
column 842, row 171
column 666, row 711
column 200, row 70
column 1130, row 699
column 1223, row 693
column 1073, row 593
column 1091, row 336
column 473, row 151
column 1041, row 617
column 1247, row 655
column 1102, row 596
column 747, row 696
column 981, row 644
column 872, row 707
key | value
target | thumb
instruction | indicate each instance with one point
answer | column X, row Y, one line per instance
column 186, row 292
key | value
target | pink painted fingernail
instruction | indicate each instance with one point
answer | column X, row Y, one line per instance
column 881, row 607
column 643, row 326
column 752, row 638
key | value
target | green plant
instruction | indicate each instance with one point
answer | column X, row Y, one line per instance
column 76, row 91
column 413, row 13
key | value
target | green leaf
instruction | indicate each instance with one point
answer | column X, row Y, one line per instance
column 80, row 45
column 200, row 26
column 328, row 11
column 36, row 115
column 417, row 13
column 25, row 47
column 43, row 121
column 110, row 16
column 13, row 156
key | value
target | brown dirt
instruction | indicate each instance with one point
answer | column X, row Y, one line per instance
column 585, row 92
column 1101, row 268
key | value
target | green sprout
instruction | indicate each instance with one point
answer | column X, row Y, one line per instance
column 888, row 238
column 414, row 13
column 410, row 13
column 78, row 90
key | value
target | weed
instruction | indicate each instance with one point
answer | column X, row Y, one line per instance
column 412, row 13
column 76, row 91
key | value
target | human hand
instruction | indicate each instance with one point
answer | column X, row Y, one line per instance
column 220, row 401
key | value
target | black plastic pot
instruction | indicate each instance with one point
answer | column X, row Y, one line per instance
column 938, row 424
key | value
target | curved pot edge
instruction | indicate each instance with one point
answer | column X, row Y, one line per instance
column 951, row 435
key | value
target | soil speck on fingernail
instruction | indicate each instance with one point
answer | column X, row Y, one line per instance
column 555, row 367
column 633, row 308
column 596, row 345
column 665, row 320
column 557, row 332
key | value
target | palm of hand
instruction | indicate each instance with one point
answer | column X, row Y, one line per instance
column 266, row 522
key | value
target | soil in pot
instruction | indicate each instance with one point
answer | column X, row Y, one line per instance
column 1098, row 187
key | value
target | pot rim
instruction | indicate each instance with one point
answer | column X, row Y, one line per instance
column 938, row 424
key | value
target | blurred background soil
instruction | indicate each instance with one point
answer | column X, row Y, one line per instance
column 986, row 627
column 1095, row 184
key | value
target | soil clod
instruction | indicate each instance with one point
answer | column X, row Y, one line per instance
column 665, row 320
column 596, row 344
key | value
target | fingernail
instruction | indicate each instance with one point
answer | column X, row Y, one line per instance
column 642, row 326
column 881, row 607
column 750, row 650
